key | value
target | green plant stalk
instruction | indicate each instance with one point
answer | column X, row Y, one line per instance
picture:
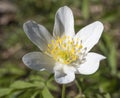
column 63, row 90
column 80, row 90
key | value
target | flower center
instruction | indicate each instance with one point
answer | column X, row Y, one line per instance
column 64, row 50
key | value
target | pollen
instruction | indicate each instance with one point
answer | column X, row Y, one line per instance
column 64, row 49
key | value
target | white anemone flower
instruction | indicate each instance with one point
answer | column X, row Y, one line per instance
column 65, row 53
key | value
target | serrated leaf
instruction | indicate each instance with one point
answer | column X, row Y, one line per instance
column 46, row 93
column 5, row 91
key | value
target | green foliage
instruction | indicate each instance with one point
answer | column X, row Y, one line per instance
column 85, row 9
column 16, row 81
column 5, row 91
column 108, row 48
column 23, row 85
column 46, row 93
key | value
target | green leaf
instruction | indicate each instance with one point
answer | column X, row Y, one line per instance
column 38, row 84
column 21, row 85
column 36, row 78
column 113, row 59
column 15, row 93
column 5, row 91
column 110, row 17
column 107, row 95
column 34, row 95
column 25, row 94
column 52, row 86
column 46, row 93
column 103, row 48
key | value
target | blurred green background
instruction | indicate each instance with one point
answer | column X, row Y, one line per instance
column 18, row 81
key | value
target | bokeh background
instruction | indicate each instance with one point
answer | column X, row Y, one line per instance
column 18, row 81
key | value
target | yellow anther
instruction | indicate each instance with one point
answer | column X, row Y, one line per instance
column 64, row 49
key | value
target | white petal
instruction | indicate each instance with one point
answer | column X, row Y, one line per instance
column 38, row 61
column 91, row 65
column 38, row 34
column 64, row 22
column 90, row 34
column 64, row 74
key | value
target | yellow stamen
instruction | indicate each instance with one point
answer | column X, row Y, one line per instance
column 64, row 49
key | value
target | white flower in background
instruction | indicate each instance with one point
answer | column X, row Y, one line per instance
column 64, row 54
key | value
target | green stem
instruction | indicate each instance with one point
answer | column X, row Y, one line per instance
column 81, row 95
column 80, row 90
column 63, row 90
